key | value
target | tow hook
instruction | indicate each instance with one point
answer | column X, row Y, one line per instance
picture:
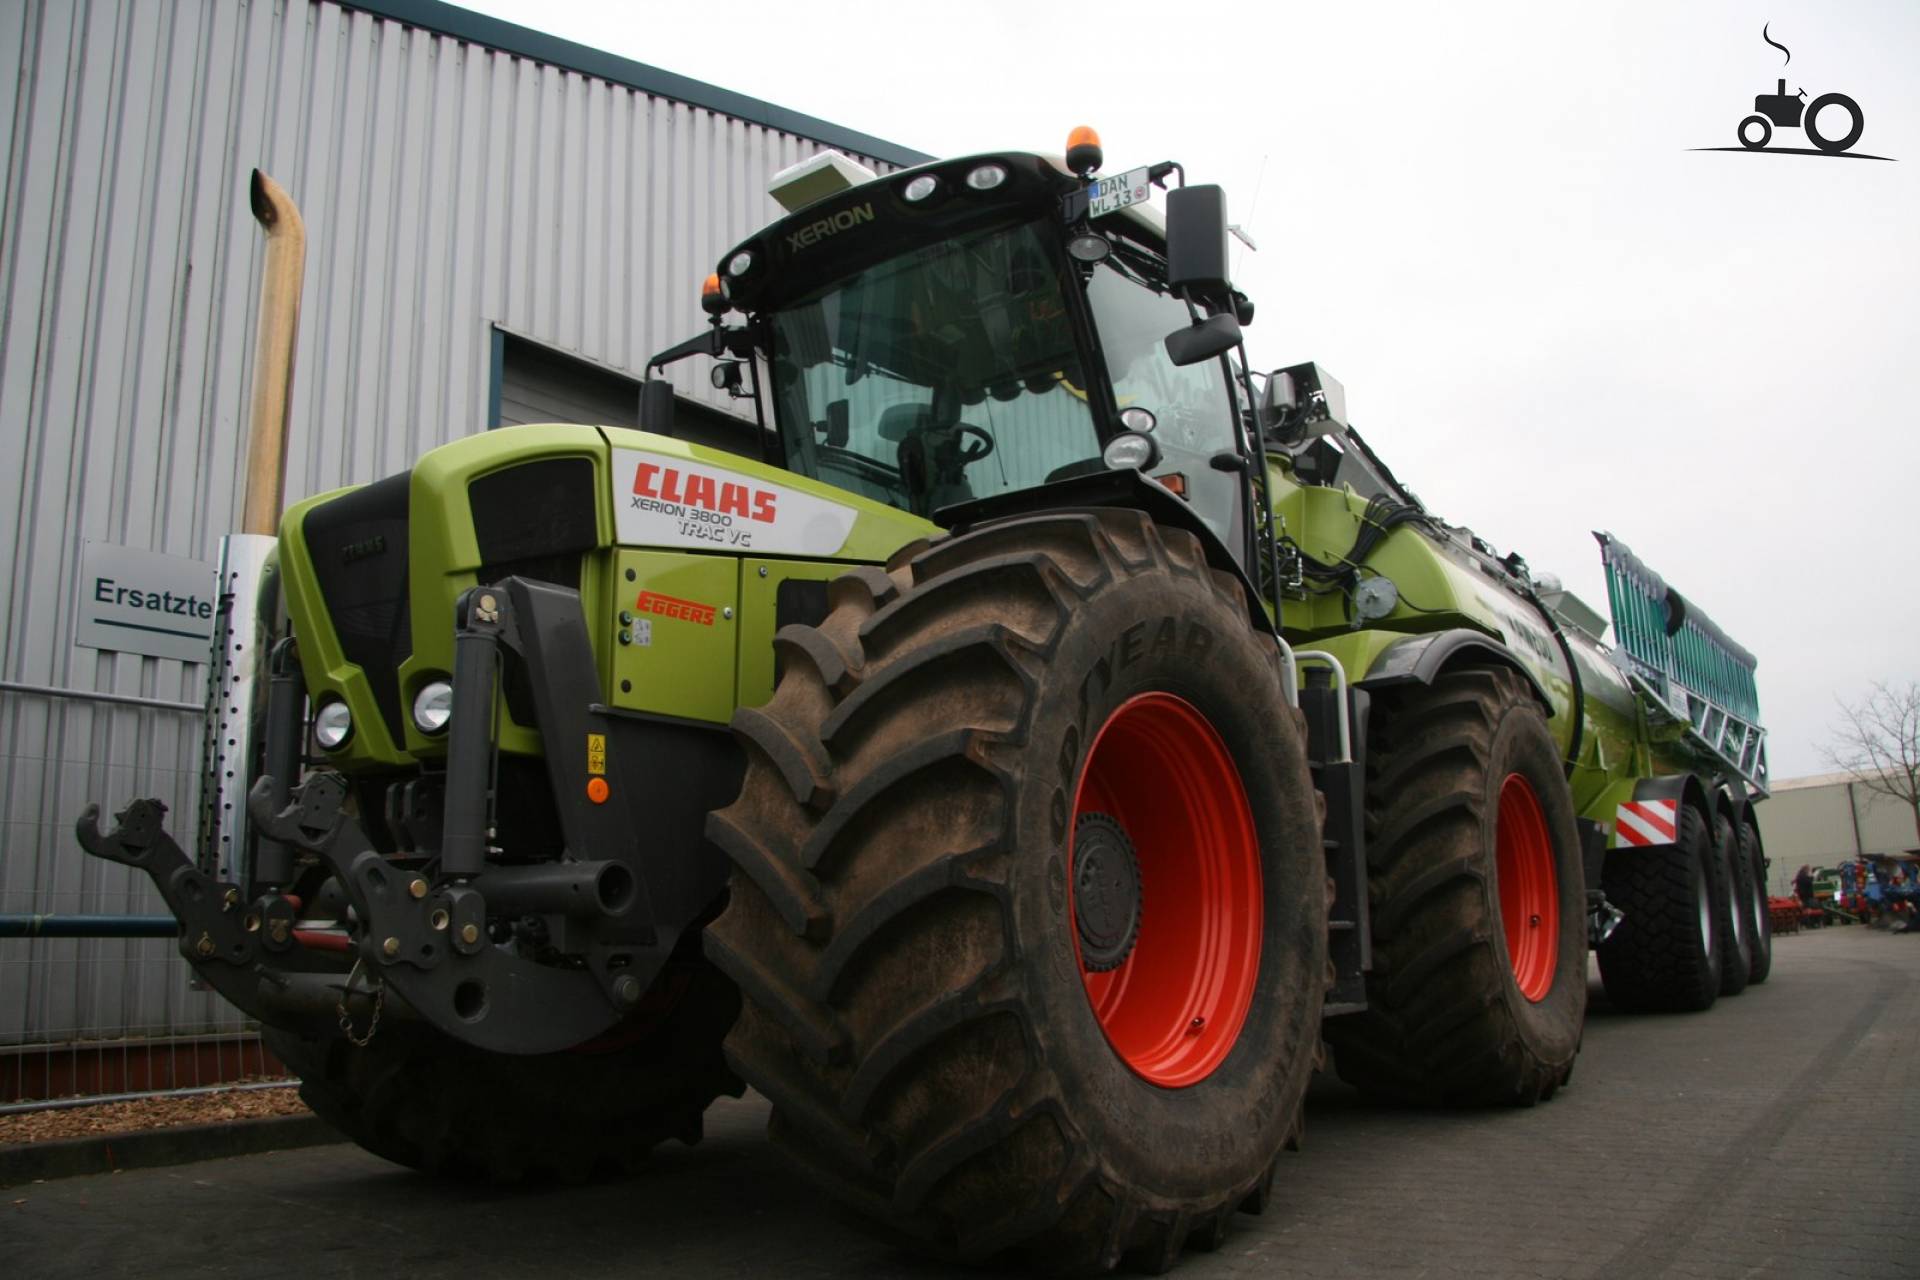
column 1602, row 918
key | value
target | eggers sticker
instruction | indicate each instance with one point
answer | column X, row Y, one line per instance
column 674, row 607
column 662, row 501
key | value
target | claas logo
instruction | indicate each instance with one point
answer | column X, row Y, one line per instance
column 697, row 489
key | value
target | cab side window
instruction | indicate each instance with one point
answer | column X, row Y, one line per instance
column 1192, row 411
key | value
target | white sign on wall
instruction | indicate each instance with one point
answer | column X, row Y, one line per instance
column 135, row 601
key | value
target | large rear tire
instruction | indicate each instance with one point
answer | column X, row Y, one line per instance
column 1478, row 992
column 1029, row 904
column 1755, row 862
column 413, row 1096
column 1666, row 953
column 1733, row 903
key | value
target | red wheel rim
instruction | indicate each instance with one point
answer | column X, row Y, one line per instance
column 1529, row 888
column 1173, row 1009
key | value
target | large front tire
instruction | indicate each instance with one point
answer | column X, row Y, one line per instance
column 1478, row 992
column 418, row 1098
column 1044, row 711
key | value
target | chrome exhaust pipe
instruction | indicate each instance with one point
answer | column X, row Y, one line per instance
column 248, row 589
column 280, row 282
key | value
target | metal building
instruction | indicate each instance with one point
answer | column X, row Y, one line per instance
column 502, row 227
column 1828, row 819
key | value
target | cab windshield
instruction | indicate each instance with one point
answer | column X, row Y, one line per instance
column 943, row 375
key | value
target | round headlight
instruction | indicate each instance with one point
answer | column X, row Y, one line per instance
column 986, row 177
column 1130, row 451
column 433, row 706
column 332, row 725
column 740, row 263
column 920, row 188
column 1135, row 418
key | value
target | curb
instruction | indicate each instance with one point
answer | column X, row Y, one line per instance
column 152, row 1148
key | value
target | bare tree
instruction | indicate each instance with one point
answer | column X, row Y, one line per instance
column 1878, row 742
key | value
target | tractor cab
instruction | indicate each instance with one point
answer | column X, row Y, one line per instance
column 966, row 330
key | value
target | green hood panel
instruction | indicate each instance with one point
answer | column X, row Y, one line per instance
column 556, row 502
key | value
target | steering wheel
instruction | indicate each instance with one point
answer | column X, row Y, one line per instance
column 968, row 433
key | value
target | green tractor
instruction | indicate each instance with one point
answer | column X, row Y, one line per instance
column 1018, row 756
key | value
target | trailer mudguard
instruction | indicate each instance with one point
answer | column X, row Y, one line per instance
column 1644, row 813
column 1419, row 659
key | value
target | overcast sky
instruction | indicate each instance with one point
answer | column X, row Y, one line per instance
column 1549, row 314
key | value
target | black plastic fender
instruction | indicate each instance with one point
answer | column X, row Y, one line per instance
column 1419, row 659
column 1108, row 488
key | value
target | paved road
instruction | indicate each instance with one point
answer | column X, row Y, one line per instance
column 1778, row 1135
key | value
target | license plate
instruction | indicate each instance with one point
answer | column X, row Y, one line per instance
column 1110, row 195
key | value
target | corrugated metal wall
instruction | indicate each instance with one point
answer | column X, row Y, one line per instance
column 447, row 188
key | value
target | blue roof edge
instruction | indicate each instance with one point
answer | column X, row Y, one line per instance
column 508, row 37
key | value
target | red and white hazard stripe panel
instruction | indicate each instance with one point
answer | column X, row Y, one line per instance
column 1647, row 822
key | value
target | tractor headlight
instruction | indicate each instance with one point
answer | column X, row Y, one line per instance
column 433, row 707
column 332, row 725
column 1130, row 451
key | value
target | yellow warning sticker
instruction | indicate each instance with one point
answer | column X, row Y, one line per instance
column 596, row 753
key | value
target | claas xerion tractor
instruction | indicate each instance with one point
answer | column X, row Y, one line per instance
column 1017, row 756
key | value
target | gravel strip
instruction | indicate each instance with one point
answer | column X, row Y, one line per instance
column 149, row 1113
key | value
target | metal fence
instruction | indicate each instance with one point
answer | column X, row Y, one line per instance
column 99, row 1015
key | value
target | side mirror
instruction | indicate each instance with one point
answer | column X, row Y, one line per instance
column 1204, row 339
column 1197, row 240
column 656, row 406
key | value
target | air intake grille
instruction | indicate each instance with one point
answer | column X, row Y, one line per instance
column 359, row 547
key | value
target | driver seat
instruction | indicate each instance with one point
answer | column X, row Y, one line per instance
column 927, row 458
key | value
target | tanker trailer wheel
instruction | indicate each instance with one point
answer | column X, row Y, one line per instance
column 413, row 1096
column 1666, row 953
column 1733, row 909
column 1855, row 122
column 1755, row 862
column 1479, row 987
column 1029, row 905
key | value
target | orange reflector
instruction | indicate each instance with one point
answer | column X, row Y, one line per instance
column 598, row 790
column 1175, row 481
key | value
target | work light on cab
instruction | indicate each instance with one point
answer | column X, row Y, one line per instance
column 740, row 263
column 987, row 177
column 332, row 725
column 921, row 188
column 1089, row 247
column 433, row 706
column 1130, row 451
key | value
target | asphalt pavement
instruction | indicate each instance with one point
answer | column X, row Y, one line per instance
column 1776, row 1135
